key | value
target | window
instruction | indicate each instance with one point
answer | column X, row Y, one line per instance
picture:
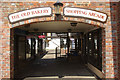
column 95, row 41
column 28, row 49
column 93, row 48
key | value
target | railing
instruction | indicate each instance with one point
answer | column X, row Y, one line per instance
column 57, row 52
column 55, row 43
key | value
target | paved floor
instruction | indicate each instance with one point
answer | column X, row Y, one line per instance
column 48, row 68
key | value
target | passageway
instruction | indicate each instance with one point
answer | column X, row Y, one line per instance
column 57, row 50
column 48, row 67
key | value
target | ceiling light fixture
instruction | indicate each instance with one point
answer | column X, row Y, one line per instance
column 73, row 24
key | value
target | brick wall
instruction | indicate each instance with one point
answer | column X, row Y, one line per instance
column 119, row 40
column 0, row 41
column 109, row 35
column 112, row 48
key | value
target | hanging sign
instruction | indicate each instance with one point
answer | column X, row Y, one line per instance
column 32, row 13
column 41, row 36
column 86, row 13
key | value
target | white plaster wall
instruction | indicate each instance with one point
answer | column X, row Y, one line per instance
column 53, row 44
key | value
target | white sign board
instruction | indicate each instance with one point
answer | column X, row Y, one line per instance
column 86, row 13
column 27, row 14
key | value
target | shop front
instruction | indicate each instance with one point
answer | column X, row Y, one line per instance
column 98, row 22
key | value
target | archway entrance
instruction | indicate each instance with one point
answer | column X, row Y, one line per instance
column 75, row 48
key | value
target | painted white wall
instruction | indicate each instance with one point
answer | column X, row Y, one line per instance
column 53, row 43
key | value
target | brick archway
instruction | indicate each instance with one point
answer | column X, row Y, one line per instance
column 17, row 26
column 109, row 35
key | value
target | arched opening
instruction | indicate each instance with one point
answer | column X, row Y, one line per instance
column 57, row 49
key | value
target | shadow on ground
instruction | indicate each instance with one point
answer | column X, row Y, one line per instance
column 52, row 69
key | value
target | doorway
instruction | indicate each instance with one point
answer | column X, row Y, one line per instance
column 73, row 48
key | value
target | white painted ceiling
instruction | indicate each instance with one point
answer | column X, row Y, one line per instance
column 58, row 26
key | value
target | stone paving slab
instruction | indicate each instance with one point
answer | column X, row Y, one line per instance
column 52, row 69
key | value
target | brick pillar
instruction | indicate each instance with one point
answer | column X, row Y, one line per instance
column 0, row 54
column 110, row 45
column 107, row 53
column 103, row 51
column 4, row 45
column 0, row 42
column 118, row 41
column 114, row 25
column 6, row 53
column 12, row 53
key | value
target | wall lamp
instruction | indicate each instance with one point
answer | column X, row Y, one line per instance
column 69, row 30
column 73, row 24
column 58, row 8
